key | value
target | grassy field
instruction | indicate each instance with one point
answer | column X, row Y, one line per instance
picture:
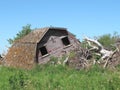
column 49, row 77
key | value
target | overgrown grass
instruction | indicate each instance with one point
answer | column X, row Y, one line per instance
column 50, row 77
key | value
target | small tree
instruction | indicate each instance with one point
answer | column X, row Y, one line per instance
column 108, row 40
column 25, row 30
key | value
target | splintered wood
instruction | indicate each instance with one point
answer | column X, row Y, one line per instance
column 98, row 48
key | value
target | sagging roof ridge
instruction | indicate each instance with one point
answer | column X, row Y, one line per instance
column 37, row 34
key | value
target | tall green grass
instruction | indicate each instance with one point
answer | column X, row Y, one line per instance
column 50, row 77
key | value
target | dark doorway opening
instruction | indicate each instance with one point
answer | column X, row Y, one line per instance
column 43, row 51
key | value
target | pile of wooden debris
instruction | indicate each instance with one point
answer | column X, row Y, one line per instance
column 95, row 54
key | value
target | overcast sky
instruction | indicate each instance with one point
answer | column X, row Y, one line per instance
column 81, row 17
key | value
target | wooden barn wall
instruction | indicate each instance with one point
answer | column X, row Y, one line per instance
column 52, row 32
column 54, row 45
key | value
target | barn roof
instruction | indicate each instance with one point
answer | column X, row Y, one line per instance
column 36, row 35
column 23, row 51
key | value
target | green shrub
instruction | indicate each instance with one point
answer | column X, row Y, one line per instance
column 20, row 80
column 109, row 40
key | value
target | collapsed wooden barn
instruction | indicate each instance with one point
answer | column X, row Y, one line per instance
column 39, row 45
